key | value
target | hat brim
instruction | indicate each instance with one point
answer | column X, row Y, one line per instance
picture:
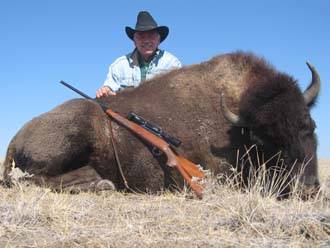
column 162, row 30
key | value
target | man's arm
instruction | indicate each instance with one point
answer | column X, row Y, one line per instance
column 110, row 85
column 112, row 82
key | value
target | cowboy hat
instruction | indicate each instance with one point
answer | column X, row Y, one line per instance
column 145, row 22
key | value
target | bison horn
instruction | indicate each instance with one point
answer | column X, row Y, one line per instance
column 230, row 116
column 313, row 89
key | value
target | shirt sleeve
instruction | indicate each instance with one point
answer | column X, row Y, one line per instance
column 112, row 80
column 173, row 62
column 176, row 63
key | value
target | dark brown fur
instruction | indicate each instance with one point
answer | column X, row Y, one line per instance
column 186, row 103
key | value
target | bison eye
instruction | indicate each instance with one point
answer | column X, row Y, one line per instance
column 311, row 126
column 308, row 127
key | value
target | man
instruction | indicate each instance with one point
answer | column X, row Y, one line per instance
column 144, row 62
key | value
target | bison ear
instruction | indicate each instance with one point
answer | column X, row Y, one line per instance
column 310, row 95
column 230, row 116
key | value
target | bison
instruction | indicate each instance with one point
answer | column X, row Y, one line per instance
column 71, row 144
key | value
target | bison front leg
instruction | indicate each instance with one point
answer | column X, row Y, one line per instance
column 82, row 179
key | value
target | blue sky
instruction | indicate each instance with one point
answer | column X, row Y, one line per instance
column 44, row 41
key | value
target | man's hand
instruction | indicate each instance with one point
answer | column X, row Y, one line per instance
column 104, row 91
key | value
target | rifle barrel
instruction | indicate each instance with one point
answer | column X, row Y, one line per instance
column 76, row 90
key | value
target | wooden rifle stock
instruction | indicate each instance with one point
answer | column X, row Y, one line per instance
column 186, row 168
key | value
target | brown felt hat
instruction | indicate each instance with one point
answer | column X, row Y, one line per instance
column 145, row 22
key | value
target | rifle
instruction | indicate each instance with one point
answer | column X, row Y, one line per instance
column 186, row 168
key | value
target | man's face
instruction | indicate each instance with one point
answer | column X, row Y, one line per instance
column 146, row 43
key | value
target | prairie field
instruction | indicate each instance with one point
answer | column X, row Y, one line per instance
column 31, row 216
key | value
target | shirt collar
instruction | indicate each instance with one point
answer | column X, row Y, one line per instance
column 134, row 60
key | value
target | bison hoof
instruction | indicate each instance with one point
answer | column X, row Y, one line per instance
column 104, row 185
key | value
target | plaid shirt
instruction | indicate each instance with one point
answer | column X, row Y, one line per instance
column 125, row 71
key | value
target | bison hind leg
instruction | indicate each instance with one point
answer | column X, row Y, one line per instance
column 81, row 179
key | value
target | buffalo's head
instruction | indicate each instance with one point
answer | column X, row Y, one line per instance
column 277, row 116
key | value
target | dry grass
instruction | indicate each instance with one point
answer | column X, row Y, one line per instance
column 35, row 217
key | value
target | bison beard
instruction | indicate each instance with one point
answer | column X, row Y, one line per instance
column 186, row 103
